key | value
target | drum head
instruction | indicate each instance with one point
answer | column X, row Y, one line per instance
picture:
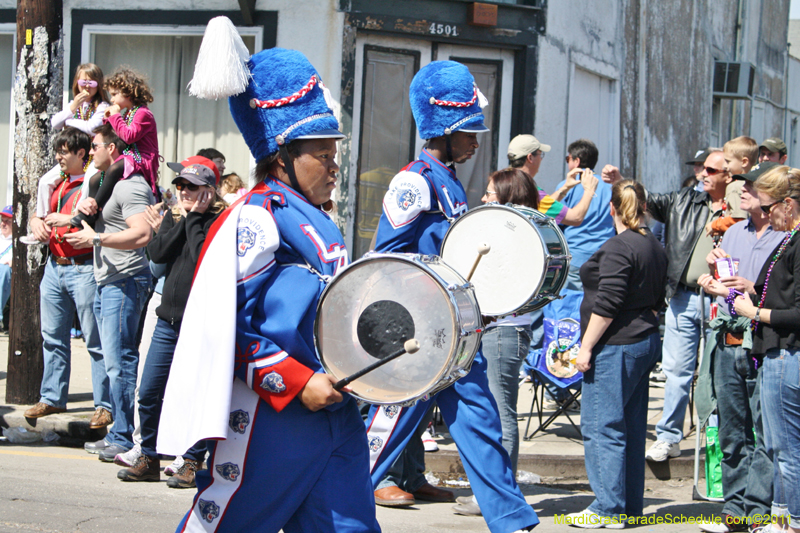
column 511, row 274
column 369, row 310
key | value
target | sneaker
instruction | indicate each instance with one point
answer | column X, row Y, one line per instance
column 553, row 405
column 465, row 499
column 97, row 446
column 468, row 509
column 662, row 450
column 428, row 442
column 658, row 375
column 144, row 469
column 108, row 455
column 183, row 478
column 587, row 519
column 100, row 419
column 41, row 409
column 766, row 528
column 174, row 467
column 129, row 457
column 725, row 524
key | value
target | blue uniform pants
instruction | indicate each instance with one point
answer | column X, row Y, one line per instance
column 473, row 419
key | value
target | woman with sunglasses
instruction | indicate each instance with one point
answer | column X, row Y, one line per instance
column 178, row 244
column 89, row 101
column 506, row 341
column 775, row 321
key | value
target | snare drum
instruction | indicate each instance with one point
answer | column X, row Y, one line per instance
column 528, row 262
column 378, row 302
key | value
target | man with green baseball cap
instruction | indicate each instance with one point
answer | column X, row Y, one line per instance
column 772, row 149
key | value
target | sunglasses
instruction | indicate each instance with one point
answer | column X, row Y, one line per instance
column 767, row 208
column 489, row 193
column 95, row 145
column 188, row 186
column 711, row 170
column 87, row 83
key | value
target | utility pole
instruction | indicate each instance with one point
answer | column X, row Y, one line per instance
column 37, row 96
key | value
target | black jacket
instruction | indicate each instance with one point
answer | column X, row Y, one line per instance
column 178, row 244
column 684, row 214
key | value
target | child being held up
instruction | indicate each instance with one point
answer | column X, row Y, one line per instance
column 134, row 123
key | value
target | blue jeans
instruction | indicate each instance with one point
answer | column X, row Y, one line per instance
column 154, row 383
column 678, row 361
column 118, row 307
column 746, row 467
column 614, row 424
column 504, row 348
column 5, row 287
column 63, row 290
column 780, row 397
column 574, row 282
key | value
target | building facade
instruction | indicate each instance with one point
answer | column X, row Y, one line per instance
column 634, row 76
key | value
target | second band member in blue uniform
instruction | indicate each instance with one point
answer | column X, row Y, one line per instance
column 421, row 200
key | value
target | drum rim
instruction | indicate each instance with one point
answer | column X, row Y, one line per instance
column 517, row 212
column 441, row 285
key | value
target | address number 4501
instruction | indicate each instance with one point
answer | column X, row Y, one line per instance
column 443, row 29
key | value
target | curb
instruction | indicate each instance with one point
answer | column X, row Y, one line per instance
column 570, row 467
column 73, row 429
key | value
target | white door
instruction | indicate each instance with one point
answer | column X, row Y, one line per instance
column 593, row 115
column 493, row 69
column 757, row 115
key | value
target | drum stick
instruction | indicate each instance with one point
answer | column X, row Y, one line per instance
column 410, row 346
column 483, row 249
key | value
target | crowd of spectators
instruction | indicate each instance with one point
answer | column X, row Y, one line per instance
column 729, row 233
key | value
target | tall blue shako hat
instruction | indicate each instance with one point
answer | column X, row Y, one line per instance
column 445, row 99
column 275, row 96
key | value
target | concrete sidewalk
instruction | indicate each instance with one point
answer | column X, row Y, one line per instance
column 554, row 453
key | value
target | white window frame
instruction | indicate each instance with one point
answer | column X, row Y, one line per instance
column 90, row 30
column 11, row 28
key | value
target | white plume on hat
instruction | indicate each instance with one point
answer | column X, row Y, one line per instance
column 482, row 100
column 221, row 69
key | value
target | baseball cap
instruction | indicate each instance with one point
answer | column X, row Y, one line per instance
column 198, row 174
column 757, row 171
column 8, row 211
column 774, row 144
column 699, row 157
column 522, row 145
column 196, row 160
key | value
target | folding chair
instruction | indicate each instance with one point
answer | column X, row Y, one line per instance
column 539, row 380
column 560, row 344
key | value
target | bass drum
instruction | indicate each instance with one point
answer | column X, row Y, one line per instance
column 527, row 265
column 377, row 303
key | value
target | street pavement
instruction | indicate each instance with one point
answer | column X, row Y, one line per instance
column 58, row 488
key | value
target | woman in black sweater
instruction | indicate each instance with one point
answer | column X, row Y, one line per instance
column 624, row 286
column 775, row 315
column 178, row 243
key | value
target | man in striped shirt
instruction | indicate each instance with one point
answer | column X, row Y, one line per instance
column 526, row 152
